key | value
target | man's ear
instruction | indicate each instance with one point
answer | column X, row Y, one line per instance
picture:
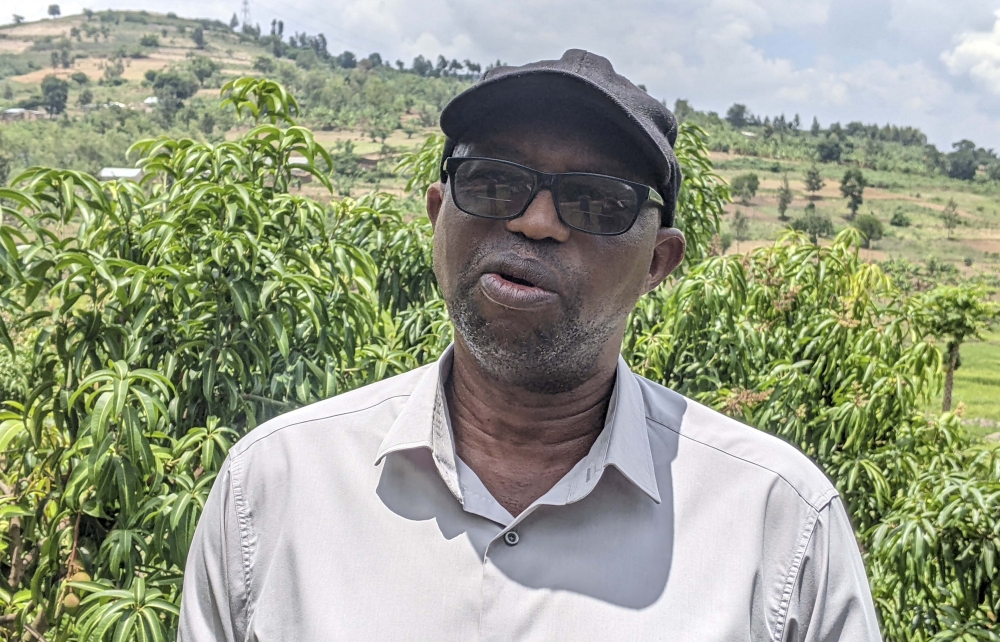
column 435, row 198
column 667, row 255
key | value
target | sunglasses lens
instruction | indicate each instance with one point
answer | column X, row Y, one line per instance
column 491, row 189
column 596, row 204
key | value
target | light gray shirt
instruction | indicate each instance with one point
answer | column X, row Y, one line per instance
column 353, row 519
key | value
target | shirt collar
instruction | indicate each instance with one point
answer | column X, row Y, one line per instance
column 623, row 443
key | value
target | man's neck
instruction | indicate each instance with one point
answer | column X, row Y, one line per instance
column 520, row 443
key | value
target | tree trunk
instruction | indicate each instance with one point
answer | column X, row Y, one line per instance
column 949, row 375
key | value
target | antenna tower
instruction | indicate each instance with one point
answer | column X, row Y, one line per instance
column 245, row 12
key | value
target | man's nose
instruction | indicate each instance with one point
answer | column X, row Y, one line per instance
column 540, row 221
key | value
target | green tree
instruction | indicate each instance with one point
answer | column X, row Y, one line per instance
column 954, row 314
column 814, row 181
column 234, row 22
column 949, row 216
column 814, row 129
column 149, row 40
column 86, row 97
column 8, row 92
column 203, row 68
column 172, row 88
column 814, row 224
column 5, row 165
column 54, row 10
column 264, row 64
column 784, row 198
column 80, row 78
column 198, row 36
column 829, row 149
column 899, row 219
column 963, row 161
column 55, row 93
column 852, row 187
column 870, row 227
column 741, row 228
column 738, row 115
column 745, row 186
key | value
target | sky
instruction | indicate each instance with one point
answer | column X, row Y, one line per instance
column 933, row 64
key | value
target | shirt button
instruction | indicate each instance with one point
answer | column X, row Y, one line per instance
column 511, row 538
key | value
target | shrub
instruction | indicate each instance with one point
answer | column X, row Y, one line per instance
column 149, row 40
column 870, row 228
column 899, row 219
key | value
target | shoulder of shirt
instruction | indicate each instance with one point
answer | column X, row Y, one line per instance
column 724, row 437
column 359, row 400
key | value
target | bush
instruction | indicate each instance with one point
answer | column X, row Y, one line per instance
column 870, row 228
column 149, row 40
column 899, row 219
column 813, row 224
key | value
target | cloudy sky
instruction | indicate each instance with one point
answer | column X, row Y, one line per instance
column 934, row 64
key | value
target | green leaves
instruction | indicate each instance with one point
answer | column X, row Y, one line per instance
column 181, row 313
column 184, row 311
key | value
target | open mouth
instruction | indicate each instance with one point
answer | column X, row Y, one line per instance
column 517, row 280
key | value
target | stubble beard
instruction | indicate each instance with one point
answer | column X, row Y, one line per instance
column 552, row 359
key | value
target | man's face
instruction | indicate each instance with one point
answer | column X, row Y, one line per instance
column 536, row 303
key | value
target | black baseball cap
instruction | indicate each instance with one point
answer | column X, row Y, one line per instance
column 578, row 79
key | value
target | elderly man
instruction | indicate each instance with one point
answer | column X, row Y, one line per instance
column 528, row 486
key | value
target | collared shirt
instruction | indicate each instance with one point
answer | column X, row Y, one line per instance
column 680, row 524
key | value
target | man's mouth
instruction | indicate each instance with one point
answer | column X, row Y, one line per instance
column 516, row 287
column 515, row 279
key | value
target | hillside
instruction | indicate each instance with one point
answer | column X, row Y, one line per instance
column 115, row 63
column 367, row 112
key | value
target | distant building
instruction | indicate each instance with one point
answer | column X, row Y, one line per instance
column 749, row 134
column 151, row 101
column 18, row 113
column 111, row 173
column 14, row 114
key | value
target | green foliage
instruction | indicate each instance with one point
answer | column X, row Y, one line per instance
column 870, row 227
column 829, row 149
column 814, row 180
column 203, row 68
column 149, row 40
column 55, row 93
column 814, row 224
column 954, row 314
column 949, row 216
column 198, row 36
column 745, row 186
column 852, row 187
column 186, row 309
column 784, row 198
column 899, row 219
column 197, row 304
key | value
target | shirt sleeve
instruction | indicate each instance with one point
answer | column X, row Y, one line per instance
column 830, row 600
column 213, row 601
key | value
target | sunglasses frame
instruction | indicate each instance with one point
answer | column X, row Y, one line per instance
column 544, row 180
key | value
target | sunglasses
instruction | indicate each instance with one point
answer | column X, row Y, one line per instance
column 502, row 190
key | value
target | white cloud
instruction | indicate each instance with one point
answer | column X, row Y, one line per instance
column 977, row 55
column 805, row 56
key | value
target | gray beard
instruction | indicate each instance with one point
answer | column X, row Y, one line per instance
column 550, row 360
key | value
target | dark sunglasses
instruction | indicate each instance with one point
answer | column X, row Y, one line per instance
column 591, row 203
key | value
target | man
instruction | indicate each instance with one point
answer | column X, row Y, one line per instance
column 528, row 486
